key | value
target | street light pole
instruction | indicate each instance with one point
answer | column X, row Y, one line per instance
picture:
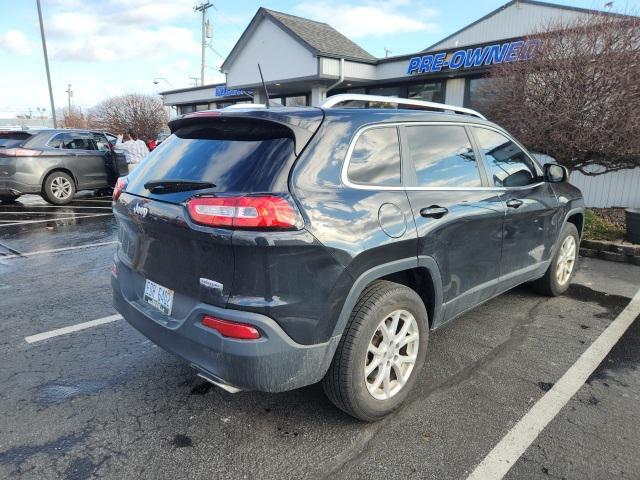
column 46, row 64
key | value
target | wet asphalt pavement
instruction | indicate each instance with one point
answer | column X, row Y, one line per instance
column 105, row 402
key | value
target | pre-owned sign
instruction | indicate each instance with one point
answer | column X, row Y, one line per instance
column 474, row 57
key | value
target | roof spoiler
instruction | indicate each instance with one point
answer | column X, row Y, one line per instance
column 303, row 123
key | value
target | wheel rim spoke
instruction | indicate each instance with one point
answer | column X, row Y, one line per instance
column 391, row 356
column 566, row 260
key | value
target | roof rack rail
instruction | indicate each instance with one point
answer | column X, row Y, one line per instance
column 442, row 107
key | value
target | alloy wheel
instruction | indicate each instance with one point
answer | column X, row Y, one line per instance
column 391, row 354
column 566, row 260
column 61, row 188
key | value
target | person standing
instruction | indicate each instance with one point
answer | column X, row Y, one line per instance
column 135, row 150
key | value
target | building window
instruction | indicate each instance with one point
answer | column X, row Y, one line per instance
column 202, row 106
column 186, row 109
column 430, row 92
column 478, row 93
column 296, row 101
column 386, row 91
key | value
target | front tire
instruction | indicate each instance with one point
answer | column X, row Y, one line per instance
column 558, row 276
column 59, row 188
column 381, row 352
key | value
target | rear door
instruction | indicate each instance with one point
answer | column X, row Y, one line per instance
column 159, row 240
column 459, row 219
column 531, row 222
column 83, row 158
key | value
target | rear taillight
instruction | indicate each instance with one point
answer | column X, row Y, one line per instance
column 226, row 328
column 121, row 185
column 20, row 152
column 260, row 212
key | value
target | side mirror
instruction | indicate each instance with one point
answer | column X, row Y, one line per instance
column 554, row 173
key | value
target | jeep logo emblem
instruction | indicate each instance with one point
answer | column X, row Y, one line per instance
column 140, row 210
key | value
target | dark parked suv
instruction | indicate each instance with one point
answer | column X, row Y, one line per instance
column 55, row 163
column 277, row 247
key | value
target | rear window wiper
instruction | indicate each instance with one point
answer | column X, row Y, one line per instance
column 170, row 186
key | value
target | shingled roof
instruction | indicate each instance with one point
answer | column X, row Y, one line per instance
column 319, row 37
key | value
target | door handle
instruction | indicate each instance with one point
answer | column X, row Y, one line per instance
column 514, row 203
column 434, row 211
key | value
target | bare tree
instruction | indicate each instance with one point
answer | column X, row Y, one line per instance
column 578, row 98
column 144, row 114
column 74, row 119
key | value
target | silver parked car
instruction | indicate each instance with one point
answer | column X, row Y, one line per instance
column 56, row 163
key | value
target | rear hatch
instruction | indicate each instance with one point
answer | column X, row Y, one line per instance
column 210, row 157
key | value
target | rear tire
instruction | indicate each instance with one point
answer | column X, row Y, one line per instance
column 59, row 188
column 557, row 278
column 393, row 355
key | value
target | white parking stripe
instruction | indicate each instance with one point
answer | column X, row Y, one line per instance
column 72, row 328
column 505, row 454
column 56, row 250
column 61, row 206
column 25, row 222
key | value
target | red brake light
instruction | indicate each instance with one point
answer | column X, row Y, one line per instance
column 121, row 184
column 20, row 152
column 226, row 328
column 267, row 211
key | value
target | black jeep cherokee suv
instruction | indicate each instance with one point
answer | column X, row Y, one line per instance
column 277, row 247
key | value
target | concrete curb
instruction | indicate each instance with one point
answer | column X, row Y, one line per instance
column 619, row 251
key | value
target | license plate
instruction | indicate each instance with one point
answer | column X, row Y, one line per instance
column 158, row 296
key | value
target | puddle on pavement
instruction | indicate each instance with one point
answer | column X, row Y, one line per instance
column 614, row 304
column 56, row 393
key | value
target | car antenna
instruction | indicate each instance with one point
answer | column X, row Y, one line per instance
column 264, row 87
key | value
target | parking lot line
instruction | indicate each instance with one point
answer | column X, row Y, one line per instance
column 75, row 207
column 72, row 328
column 505, row 454
column 56, row 250
column 25, row 222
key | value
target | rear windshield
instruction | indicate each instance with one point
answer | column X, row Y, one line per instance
column 13, row 139
column 237, row 157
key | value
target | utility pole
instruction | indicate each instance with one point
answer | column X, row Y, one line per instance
column 69, row 95
column 203, row 7
column 46, row 63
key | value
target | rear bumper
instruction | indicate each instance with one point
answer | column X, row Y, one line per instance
column 12, row 187
column 274, row 363
column 16, row 179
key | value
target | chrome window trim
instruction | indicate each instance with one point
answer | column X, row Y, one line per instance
column 345, row 165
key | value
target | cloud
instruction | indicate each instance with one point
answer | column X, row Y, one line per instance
column 14, row 41
column 118, row 30
column 370, row 18
column 129, row 43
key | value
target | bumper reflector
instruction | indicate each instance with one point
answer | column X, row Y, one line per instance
column 226, row 328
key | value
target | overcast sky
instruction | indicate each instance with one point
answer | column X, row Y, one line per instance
column 108, row 47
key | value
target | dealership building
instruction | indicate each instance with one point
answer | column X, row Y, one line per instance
column 304, row 61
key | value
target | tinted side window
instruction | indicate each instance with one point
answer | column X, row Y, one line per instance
column 73, row 141
column 508, row 165
column 442, row 156
column 101, row 142
column 375, row 160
